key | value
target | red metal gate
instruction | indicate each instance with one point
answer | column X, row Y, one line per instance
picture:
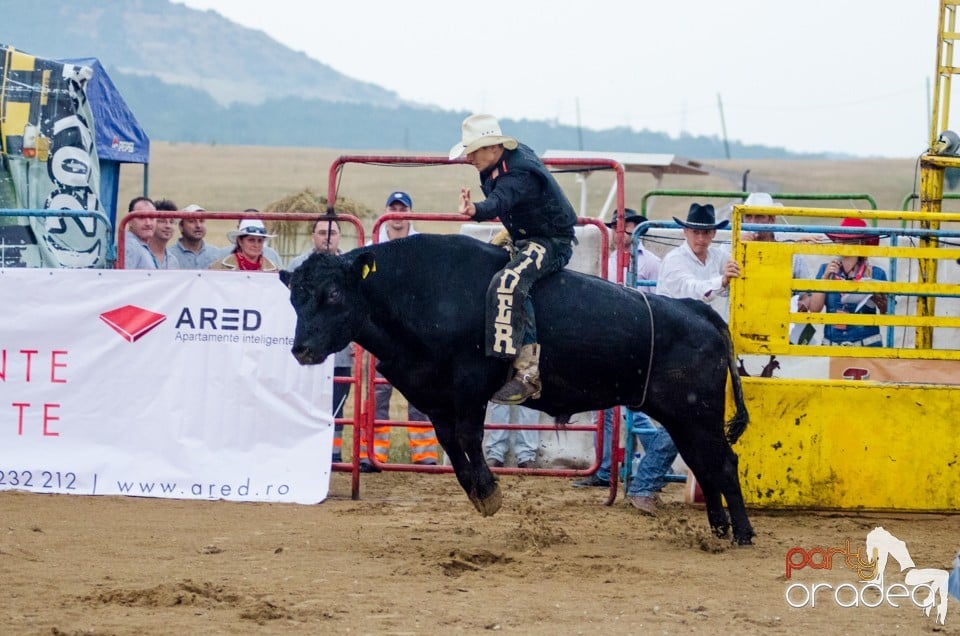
column 364, row 422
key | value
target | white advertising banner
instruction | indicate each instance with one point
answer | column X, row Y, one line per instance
column 176, row 384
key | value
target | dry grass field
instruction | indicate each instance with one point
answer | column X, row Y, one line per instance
column 233, row 178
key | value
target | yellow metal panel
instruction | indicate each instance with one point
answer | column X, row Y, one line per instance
column 15, row 117
column 21, row 61
column 44, row 87
column 762, row 298
column 850, row 445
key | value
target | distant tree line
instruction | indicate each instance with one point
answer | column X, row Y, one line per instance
column 182, row 114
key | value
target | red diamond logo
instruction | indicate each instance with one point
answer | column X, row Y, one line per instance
column 132, row 322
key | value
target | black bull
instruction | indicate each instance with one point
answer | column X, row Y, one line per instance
column 417, row 304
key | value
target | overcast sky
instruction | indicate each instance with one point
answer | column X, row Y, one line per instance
column 847, row 76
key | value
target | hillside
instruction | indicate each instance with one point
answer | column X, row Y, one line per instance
column 181, row 47
column 194, row 76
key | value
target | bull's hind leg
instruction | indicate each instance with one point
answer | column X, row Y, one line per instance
column 708, row 454
column 708, row 478
column 718, row 477
column 716, row 514
column 730, row 484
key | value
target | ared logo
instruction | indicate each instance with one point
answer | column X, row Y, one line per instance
column 132, row 322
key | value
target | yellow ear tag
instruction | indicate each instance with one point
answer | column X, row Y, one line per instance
column 367, row 269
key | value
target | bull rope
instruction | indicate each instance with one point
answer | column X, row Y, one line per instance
column 646, row 380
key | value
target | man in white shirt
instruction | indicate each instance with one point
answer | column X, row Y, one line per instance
column 695, row 269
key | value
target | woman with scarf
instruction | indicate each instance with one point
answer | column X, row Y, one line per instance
column 853, row 268
column 247, row 255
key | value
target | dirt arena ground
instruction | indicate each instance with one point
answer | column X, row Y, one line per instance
column 413, row 557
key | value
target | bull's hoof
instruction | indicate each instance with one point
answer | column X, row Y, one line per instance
column 489, row 506
column 743, row 537
column 721, row 532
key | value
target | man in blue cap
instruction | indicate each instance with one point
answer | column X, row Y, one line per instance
column 398, row 202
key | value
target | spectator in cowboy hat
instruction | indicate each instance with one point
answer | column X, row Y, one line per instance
column 247, row 254
column 697, row 268
column 762, row 199
column 648, row 263
column 853, row 268
column 629, row 216
column 268, row 251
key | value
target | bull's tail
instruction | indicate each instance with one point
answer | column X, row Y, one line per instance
column 738, row 423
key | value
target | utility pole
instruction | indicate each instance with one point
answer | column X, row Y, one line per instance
column 723, row 127
column 579, row 128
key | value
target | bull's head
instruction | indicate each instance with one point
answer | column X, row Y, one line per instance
column 325, row 293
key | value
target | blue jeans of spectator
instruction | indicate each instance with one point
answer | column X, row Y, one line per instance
column 652, row 470
column 525, row 442
column 604, row 471
column 639, row 419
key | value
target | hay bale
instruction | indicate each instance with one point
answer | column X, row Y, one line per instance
column 293, row 237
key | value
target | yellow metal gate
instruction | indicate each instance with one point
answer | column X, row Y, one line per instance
column 841, row 438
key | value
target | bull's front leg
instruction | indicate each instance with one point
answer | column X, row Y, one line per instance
column 485, row 493
column 463, row 443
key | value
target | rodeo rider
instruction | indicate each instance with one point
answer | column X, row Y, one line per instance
column 522, row 193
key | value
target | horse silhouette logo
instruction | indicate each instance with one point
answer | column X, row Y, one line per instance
column 881, row 546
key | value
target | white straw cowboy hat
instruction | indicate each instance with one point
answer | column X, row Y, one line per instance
column 480, row 131
column 762, row 199
column 249, row 227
